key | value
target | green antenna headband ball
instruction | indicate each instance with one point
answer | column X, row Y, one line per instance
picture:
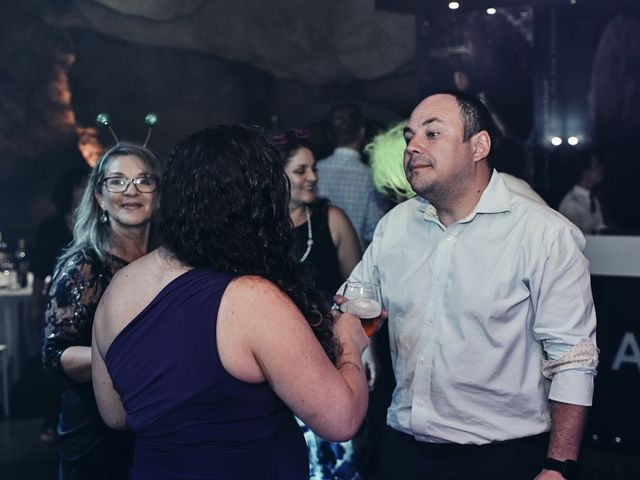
column 104, row 120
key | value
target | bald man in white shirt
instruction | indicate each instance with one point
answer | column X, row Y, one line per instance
column 491, row 318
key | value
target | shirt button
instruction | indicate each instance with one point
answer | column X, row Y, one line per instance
column 430, row 321
column 422, row 362
column 450, row 237
column 439, row 278
column 420, row 403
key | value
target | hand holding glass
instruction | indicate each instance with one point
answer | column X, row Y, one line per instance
column 362, row 300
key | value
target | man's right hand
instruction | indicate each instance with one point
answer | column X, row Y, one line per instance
column 371, row 364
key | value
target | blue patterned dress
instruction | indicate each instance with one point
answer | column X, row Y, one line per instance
column 327, row 460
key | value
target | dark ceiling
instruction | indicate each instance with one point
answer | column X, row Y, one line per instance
column 426, row 7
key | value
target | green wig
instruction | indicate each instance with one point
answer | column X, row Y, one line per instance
column 386, row 152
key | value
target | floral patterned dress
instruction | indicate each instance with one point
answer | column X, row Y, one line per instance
column 329, row 460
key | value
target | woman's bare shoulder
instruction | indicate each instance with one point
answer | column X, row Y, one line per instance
column 251, row 291
column 256, row 321
column 146, row 274
column 339, row 219
column 133, row 287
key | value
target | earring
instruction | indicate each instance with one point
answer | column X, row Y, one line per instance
column 103, row 217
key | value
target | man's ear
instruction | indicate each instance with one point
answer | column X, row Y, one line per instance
column 481, row 142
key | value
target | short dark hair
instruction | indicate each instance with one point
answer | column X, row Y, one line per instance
column 290, row 141
column 475, row 114
column 584, row 160
column 579, row 163
column 344, row 123
column 225, row 205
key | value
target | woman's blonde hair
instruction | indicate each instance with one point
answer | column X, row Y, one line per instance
column 88, row 231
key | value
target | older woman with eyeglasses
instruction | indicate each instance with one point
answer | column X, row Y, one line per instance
column 111, row 229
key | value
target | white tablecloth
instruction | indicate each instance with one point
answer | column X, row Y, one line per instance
column 15, row 331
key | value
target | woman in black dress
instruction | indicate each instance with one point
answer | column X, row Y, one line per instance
column 325, row 238
column 326, row 242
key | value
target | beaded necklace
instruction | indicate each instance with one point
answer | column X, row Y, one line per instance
column 309, row 237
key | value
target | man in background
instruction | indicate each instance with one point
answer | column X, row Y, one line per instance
column 344, row 179
column 580, row 205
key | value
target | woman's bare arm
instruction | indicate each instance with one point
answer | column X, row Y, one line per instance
column 263, row 336
column 345, row 240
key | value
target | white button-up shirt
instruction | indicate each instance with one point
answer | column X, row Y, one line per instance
column 576, row 206
column 474, row 309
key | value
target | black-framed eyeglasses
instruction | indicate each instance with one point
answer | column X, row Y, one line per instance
column 120, row 184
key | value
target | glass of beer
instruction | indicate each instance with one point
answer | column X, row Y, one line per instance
column 362, row 299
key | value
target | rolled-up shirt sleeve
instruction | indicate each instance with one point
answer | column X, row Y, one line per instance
column 565, row 319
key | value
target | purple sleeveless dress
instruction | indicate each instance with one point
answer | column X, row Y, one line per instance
column 191, row 419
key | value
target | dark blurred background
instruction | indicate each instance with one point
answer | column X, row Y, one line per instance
column 546, row 68
column 561, row 77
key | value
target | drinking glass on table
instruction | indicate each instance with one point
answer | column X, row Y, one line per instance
column 362, row 299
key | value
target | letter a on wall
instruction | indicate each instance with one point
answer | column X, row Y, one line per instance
column 628, row 352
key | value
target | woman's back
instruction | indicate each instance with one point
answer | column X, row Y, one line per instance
column 191, row 418
column 224, row 205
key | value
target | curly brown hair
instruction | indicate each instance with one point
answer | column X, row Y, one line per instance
column 225, row 205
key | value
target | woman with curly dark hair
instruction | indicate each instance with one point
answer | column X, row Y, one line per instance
column 207, row 347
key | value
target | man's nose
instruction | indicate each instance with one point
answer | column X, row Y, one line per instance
column 414, row 145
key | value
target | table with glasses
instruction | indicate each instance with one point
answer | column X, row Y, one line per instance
column 16, row 335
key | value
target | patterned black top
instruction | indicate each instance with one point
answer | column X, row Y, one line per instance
column 73, row 297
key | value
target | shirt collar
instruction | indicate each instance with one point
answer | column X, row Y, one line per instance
column 347, row 152
column 496, row 198
column 580, row 190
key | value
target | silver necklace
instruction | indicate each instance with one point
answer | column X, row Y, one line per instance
column 309, row 237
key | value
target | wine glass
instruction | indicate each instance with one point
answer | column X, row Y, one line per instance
column 362, row 299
